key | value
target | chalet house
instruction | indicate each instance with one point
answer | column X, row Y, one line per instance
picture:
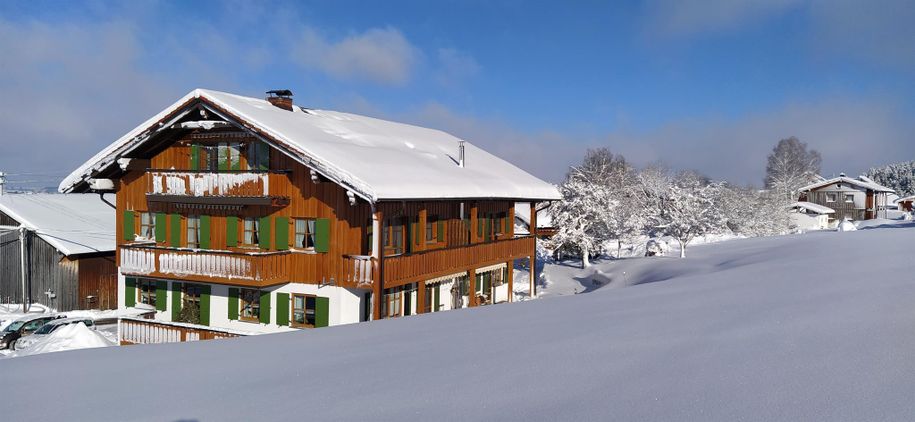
column 259, row 215
column 853, row 199
column 905, row 203
column 69, row 251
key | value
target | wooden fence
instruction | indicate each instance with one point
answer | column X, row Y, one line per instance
column 145, row 331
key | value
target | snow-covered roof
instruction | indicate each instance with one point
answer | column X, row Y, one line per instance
column 523, row 213
column 810, row 206
column 905, row 198
column 377, row 159
column 74, row 224
column 861, row 181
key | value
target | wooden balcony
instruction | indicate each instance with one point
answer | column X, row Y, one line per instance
column 246, row 188
column 257, row 269
column 146, row 331
column 429, row 264
column 358, row 270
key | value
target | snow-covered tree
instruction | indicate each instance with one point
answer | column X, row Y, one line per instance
column 577, row 216
column 688, row 208
column 899, row 176
column 751, row 212
column 791, row 166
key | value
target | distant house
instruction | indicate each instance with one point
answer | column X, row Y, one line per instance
column 810, row 216
column 905, row 203
column 69, row 251
column 545, row 226
column 852, row 198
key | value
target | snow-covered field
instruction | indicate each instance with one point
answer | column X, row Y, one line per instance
column 804, row 327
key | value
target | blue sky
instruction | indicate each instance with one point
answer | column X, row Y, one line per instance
column 706, row 85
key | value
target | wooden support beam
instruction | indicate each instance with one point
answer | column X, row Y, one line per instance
column 378, row 258
column 421, row 297
column 472, row 288
column 421, row 228
column 510, row 274
column 473, row 223
column 533, row 231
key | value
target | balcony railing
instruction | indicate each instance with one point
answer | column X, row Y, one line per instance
column 182, row 183
column 413, row 267
column 144, row 331
column 358, row 269
column 256, row 269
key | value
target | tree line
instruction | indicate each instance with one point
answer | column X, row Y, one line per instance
column 607, row 202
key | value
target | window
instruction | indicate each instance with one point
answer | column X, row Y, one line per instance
column 393, row 237
column 831, row 197
column 147, row 225
column 190, row 304
column 392, row 302
column 303, row 310
column 249, row 304
column 370, row 238
column 193, row 231
column 305, row 233
column 228, row 156
column 250, row 238
column 146, row 290
column 849, row 198
column 258, row 156
column 430, row 229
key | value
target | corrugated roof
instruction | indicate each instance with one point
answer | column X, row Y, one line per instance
column 74, row 224
column 379, row 159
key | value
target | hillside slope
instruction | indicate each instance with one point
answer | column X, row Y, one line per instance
column 813, row 327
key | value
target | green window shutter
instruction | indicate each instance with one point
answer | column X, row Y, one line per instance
column 265, row 307
column 263, row 156
column 231, row 231
column 417, row 234
column 204, row 232
column 436, row 298
column 205, row 305
column 487, row 234
column 233, row 303
column 176, row 300
column 263, row 233
column 161, row 295
column 322, row 311
column 440, row 231
column 322, row 235
column 508, row 223
column 175, row 232
column 129, row 223
column 161, row 227
column 195, row 157
column 130, row 292
column 407, row 303
column 282, row 309
column 282, row 233
column 480, row 226
column 411, row 237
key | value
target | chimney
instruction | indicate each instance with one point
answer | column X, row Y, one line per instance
column 281, row 98
column 841, row 174
column 2, row 182
column 461, row 154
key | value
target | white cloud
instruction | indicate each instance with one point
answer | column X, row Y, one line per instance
column 455, row 66
column 691, row 17
column 381, row 55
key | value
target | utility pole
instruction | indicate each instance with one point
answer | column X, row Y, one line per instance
column 23, row 268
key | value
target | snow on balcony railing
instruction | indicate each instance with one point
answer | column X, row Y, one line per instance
column 208, row 265
column 138, row 261
column 357, row 269
column 209, row 184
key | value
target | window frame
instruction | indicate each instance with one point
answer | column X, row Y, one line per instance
column 833, row 195
column 192, row 226
column 292, row 310
column 849, row 198
column 431, row 229
column 254, row 305
column 391, row 234
column 392, row 302
column 253, row 158
column 243, row 240
column 150, row 225
column 307, row 233
column 151, row 293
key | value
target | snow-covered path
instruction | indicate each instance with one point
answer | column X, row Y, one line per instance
column 813, row 327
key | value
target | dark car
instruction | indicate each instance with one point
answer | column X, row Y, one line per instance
column 22, row 327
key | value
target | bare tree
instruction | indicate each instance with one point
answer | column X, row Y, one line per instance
column 791, row 166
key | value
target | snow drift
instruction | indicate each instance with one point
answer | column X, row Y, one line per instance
column 69, row 337
column 811, row 327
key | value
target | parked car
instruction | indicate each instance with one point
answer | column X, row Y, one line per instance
column 49, row 328
column 23, row 327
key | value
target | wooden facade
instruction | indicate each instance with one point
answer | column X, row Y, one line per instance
column 250, row 183
column 77, row 282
